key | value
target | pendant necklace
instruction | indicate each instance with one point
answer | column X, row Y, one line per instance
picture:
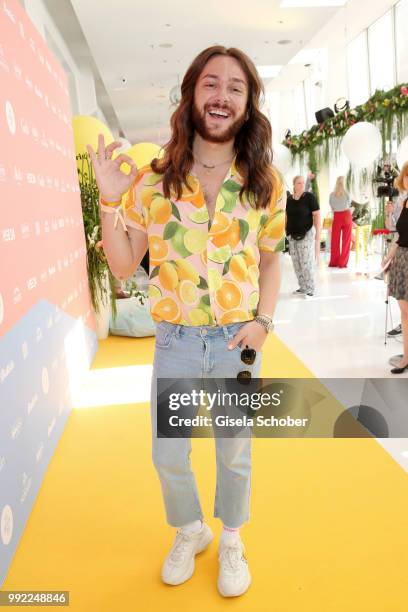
column 208, row 168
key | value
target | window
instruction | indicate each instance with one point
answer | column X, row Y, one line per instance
column 357, row 70
column 300, row 111
column 381, row 53
column 401, row 20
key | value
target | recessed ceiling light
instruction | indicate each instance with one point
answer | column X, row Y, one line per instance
column 310, row 3
column 268, row 72
column 284, row 41
column 166, row 45
column 168, row 25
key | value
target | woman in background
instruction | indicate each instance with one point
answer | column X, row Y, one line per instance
column 342, row 224
column 303, row 232
column 398, row 257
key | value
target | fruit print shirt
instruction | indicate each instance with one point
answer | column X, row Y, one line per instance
column 202, row 274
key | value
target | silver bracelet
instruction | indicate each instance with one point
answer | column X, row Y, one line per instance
column 265, row 321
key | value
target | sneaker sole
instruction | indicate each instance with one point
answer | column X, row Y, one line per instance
column 208, row 538
column 240, row 592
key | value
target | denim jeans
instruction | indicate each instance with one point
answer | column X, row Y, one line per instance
column 200, row 352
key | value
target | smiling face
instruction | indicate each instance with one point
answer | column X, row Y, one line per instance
column 220, row 99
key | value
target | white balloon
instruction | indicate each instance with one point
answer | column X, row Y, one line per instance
column 362, row 143
column 282, row 158
column 402, row 152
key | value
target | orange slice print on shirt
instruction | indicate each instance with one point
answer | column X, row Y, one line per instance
column 234, row 316
column 193, row 195
column 166, row 309
column 219, row 224
column 158, row 249
column 230, row 235
column 229, row 295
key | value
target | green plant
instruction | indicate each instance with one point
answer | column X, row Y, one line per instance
column 387, row 109
column 96, row 262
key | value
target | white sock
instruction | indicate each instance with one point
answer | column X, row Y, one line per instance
column 230, row 535
column 193, row 527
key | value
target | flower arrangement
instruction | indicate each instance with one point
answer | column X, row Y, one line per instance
column 388, row 108
column 97, row 264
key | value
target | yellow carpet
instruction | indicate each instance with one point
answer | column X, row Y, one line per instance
column 328, row 530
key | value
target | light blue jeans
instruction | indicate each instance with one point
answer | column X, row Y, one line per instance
column 200, row 352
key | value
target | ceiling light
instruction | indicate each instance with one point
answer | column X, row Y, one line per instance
column 285, row 41
column 268, row 72
column 310, row 3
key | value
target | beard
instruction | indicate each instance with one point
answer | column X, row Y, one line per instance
column 229, row 133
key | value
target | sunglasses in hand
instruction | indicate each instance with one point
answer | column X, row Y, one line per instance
column 248, row 356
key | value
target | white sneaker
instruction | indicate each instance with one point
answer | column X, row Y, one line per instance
column 179, row 563
column 234, row 577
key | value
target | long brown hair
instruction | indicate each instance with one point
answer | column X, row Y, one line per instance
column 339, row 189
column 253, row 143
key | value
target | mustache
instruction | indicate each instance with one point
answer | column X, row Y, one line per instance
column 221, row 107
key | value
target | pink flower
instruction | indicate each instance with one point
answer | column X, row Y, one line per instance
column 404, row 90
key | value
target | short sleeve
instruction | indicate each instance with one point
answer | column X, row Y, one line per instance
column 313, row 203
column 271, row 237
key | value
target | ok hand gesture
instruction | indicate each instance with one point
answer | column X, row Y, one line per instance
column 112, row 181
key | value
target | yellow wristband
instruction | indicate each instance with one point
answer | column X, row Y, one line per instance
column 103, row 201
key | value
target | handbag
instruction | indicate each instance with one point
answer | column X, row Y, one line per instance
column 361, row 213
column 327, row 222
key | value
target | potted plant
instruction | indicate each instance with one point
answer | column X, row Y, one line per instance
column 100, row 279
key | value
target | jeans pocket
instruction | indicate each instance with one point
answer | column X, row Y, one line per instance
column 164, row 337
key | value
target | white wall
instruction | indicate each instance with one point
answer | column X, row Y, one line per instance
column 344, row 26
column 80, row 78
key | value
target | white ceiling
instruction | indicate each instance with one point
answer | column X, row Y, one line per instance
column 124, row 38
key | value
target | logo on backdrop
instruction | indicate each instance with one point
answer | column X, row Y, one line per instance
column 6, row 525
column 11, row 120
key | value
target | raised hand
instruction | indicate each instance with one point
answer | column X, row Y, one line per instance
column 389, row 207
column 112, row 181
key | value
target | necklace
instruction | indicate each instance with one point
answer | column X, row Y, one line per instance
column 209, row 168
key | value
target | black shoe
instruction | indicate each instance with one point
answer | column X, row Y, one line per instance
column 399, row 370
column 395, row 332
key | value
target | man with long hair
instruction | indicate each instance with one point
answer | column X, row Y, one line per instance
column 211, row 212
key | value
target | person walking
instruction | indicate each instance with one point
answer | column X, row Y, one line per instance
column 303, row 232
column 211, row 211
